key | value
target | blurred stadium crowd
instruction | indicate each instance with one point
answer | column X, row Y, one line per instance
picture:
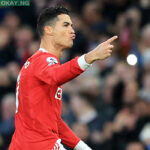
column 108, row 106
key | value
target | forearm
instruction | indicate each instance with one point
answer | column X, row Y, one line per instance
column 90, row 57
column 66, row 135
column 71, row 69
column 69, row 138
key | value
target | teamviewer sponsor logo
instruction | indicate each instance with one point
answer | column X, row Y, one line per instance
column 14, row 2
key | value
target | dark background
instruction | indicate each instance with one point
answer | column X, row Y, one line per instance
column 109, row 105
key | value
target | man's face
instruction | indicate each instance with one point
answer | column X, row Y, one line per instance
column 63, row 32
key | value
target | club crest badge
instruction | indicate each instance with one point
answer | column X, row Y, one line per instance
column 51, row 61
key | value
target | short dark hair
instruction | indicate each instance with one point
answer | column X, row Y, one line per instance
column 47, row 17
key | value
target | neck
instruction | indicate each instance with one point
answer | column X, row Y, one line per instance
column 51, row 47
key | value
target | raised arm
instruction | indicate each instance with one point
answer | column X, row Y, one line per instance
column 60, row 74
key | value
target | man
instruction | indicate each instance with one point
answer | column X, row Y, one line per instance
column 39, row 86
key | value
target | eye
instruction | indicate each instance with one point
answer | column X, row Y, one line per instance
column 65, row 25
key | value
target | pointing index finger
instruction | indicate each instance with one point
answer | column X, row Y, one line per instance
column 112, row 39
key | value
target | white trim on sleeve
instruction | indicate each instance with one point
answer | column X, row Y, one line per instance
column 58, row 145
column 82, row 146
column 82, row 63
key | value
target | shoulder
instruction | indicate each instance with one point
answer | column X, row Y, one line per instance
column 44, row 58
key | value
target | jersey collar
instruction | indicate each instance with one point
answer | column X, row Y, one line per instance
column 43, row 50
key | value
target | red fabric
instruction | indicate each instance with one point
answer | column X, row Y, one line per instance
column 38, row 120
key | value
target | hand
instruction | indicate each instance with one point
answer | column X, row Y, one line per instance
column 102, row 51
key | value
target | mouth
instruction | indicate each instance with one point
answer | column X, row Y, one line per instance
column 73, row 37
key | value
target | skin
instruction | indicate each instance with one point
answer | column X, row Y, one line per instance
column 60, row 36
column 135, row 146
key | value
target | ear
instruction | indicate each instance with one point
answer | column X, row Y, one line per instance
column 48, row 30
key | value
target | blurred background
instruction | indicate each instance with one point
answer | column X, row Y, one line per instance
column 108, row 106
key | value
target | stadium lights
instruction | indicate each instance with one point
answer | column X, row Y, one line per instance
column 132, row 59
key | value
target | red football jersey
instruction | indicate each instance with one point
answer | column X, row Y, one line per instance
column 38, row 103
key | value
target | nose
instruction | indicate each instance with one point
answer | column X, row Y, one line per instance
column 72, row 31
